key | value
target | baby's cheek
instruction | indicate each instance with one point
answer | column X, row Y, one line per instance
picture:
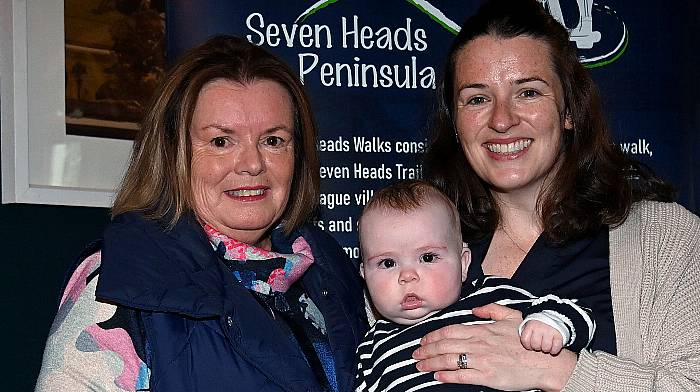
column 381, row 295
column 446, row 291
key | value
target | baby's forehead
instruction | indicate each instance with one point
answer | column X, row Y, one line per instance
column 433, row 209
column 428, row 208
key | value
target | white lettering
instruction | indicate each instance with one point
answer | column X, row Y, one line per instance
column 404, row 173
column 334, row 172
column 343, row 226
column 249, row 25
column 411, row 147
column 375, row 173
column 302, row 70
column 358, row 74
column 332, row 200
column 352, row 251
column 306, row 35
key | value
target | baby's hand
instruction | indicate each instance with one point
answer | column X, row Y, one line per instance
column 538, row 336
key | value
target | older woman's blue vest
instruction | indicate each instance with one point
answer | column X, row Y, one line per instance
column 205, row 331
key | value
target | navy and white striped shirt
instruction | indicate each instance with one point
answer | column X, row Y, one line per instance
column 384, row 356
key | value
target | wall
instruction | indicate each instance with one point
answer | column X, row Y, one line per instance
column 39, row 244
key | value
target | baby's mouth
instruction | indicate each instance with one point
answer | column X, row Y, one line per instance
column 411, row 301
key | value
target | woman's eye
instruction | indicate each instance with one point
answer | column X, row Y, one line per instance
column 476, row 101
column 386, row 263
column 428, row 257
column 530, row 93
column 219, row 142
column 273, row 141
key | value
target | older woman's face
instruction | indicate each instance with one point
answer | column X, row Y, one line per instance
column 508, row 112
column 242, row 157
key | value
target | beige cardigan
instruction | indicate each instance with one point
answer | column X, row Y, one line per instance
column 655, row 285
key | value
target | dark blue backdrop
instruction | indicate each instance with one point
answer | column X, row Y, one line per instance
column 643, row 56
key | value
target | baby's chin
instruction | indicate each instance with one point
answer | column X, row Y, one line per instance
column 410, row 317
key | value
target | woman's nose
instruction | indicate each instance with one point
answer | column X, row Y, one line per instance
column 502, row 117
column 408, row 275
column 249, row 160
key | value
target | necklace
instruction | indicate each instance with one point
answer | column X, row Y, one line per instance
column 503, row 227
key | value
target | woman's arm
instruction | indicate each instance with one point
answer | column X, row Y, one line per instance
column 80, row 355
column 660, row 345
column 496, row 358
column 670, row 348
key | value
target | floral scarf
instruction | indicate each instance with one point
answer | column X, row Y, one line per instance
column 260, row 270
column 270, row 275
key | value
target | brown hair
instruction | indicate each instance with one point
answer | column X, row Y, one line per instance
column 157, row 181
column 592, row 186
column 409, row 195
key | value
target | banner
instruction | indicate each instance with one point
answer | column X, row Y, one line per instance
column 371, row 69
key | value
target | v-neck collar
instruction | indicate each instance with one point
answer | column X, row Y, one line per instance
column 532, row 271
column 527, row 270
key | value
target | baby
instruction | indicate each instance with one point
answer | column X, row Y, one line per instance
column 414, row 263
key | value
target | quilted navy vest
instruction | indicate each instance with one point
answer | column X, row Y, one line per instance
column 205, row 331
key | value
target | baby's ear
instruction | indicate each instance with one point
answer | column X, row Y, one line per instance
column 466, row 260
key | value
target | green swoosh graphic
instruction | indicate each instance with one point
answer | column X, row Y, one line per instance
column 440, row 18
column 424, row 6
column 436, row 15
column 319, row 5
column 606, row 62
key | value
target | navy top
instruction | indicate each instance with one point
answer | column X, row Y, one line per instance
column 578, row 270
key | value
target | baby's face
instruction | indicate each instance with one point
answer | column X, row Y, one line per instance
column 414, row 263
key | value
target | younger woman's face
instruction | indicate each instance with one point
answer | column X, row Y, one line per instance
column 509, row 112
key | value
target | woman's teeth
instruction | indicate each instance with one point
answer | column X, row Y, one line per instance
column 509, row 148
column 247, row 192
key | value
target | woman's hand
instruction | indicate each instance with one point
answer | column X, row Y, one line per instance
column 496, row 358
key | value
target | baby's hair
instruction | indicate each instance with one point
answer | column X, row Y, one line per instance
column 410, row 195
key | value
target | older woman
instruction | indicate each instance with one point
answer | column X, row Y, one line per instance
column 547, row 200
column 209, row 277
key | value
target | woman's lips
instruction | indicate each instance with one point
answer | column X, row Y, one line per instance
column 247, row 194
column 507, row 149
column 411, row 301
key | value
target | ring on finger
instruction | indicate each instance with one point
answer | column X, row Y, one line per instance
column 462, row 361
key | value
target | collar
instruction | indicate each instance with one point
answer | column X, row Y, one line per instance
column 260, row 270
column 147, row 267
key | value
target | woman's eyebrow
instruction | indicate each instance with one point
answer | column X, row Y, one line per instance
column 531, row 79
column 276, row 128
column 472, row 85
column 228, row 129
column 219, row 127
